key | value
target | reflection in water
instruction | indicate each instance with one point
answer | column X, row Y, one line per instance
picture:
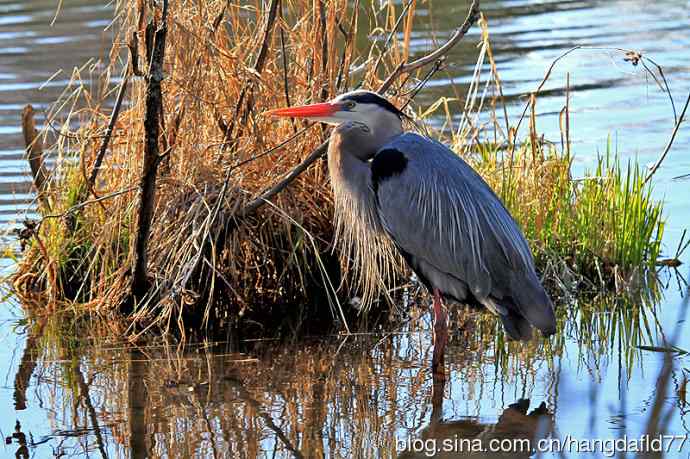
column 137, row 396
column 516, row 430
column 85, row 400
column 342, row 397
column 468, row 437
column 313, row 434
column 26, row 368
column 355, row 396
column 20, row 437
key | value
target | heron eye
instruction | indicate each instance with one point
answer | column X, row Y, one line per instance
column 349, row 104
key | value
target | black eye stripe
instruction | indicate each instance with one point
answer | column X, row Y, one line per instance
column 366, row 97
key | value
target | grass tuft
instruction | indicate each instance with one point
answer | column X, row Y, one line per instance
column 604, row 226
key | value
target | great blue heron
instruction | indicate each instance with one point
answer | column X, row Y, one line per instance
column 442, row 217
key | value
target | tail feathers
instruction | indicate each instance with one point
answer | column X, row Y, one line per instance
column 516, row 326
column 531, row 301
column 528, row 305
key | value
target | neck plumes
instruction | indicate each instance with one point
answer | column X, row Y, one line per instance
column 366, row 252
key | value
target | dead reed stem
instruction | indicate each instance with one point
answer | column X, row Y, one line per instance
column 109, row 130
column 460, row 32
column 34, row 154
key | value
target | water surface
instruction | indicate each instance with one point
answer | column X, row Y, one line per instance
column 364, row 396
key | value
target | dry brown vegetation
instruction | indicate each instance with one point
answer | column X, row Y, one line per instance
column 184, row 204
column 225, row 63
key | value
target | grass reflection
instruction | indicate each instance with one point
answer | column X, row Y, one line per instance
column 337, row 397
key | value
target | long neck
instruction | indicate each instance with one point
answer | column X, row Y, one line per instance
column 384, row 127
column 349, row 152
column 366, row 252
column 351, row 183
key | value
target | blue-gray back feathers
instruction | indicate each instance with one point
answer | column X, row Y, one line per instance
column 456, row 234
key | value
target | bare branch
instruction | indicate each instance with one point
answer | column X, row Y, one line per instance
column 280, row 186
column 83, row 204
column 154, row 101
column 670, row 142
column 472, row 16
column 109, row 130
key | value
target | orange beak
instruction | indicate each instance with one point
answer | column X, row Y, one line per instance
column 306, row 111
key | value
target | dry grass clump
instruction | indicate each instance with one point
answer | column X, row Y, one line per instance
column 225, row 63
column 223, row 243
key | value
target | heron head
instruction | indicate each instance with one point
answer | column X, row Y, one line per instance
column 365, row 107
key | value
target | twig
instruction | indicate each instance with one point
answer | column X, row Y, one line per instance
column 681, row 247
column 263, row 52
column 281, row 185
column 170, row 140
column 324, row 46
column 83, row 204
column 284, row 59
column 109, row 131
column 670, row 142
column 472, row 16
column 543, row 82
column 247, row 90
column 133, row 46
column 413, row 93
column 663, row 87
column 283, row 53
column 343, row 74
column 391, row 34
column 271, row 150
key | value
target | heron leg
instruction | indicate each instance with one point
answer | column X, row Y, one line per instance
column 440, row 333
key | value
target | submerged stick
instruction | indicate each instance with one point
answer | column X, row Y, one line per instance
column 147, row 182
column 34, row 154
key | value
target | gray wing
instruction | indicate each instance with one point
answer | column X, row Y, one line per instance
column 455, row 231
